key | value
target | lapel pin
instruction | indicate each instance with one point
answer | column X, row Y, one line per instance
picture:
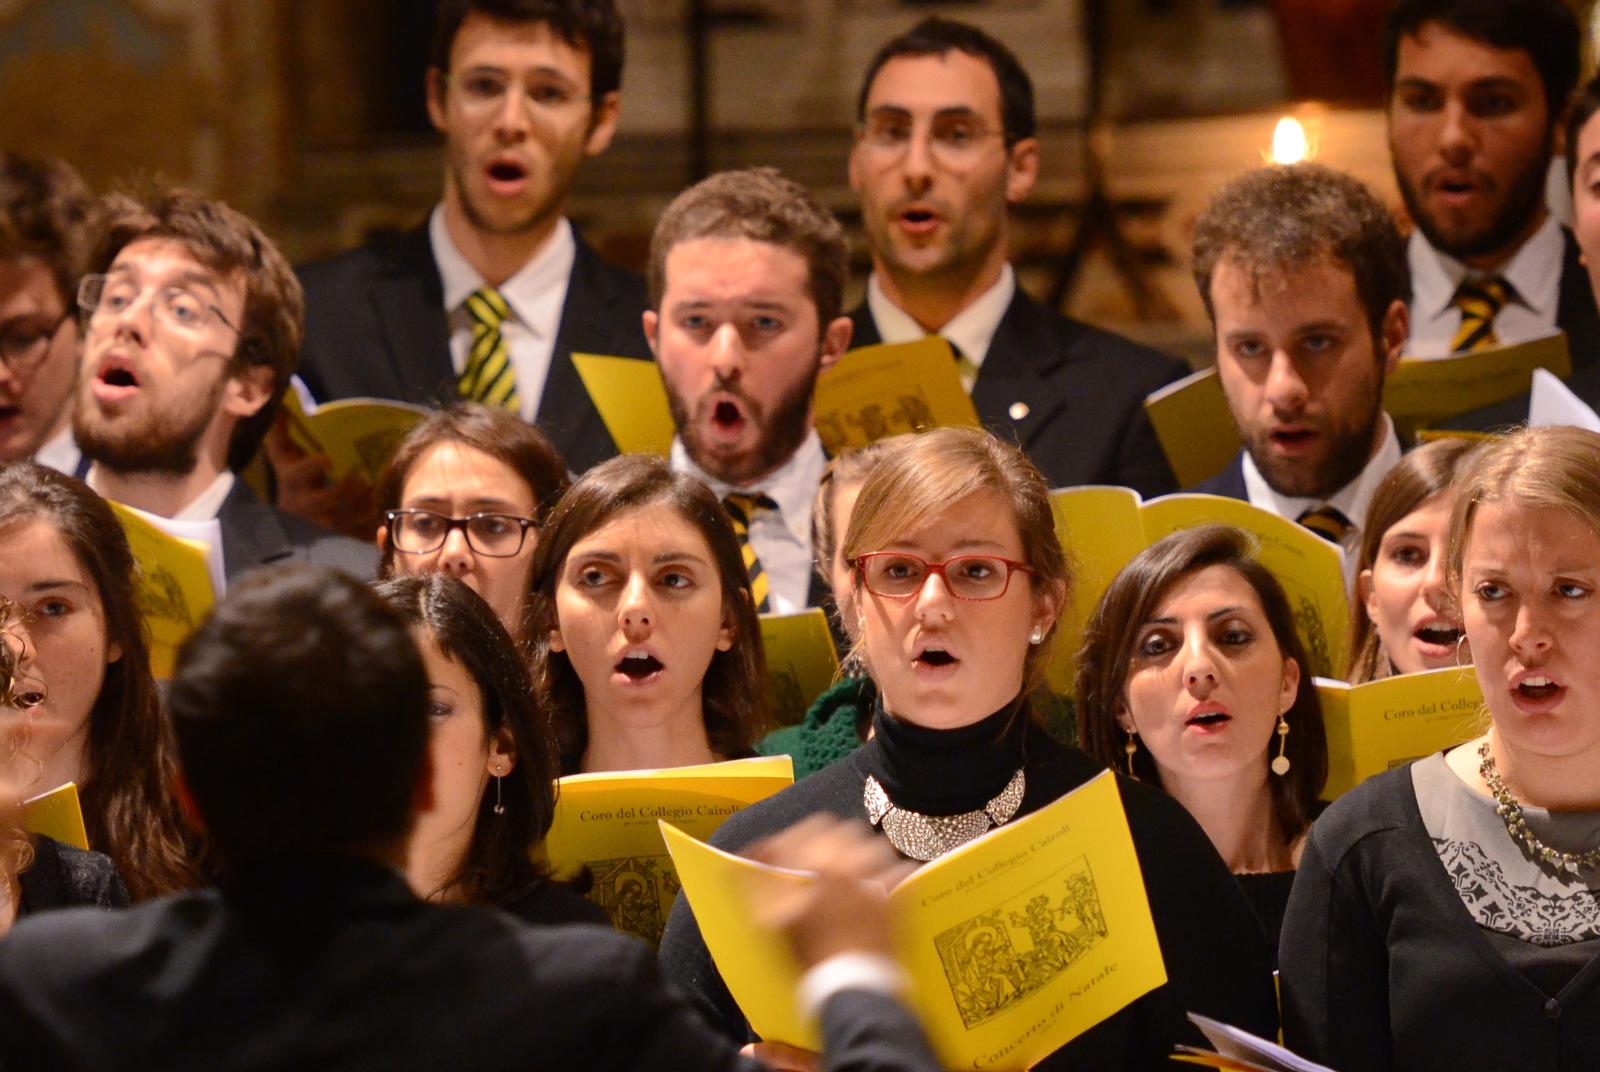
column 1018, row 410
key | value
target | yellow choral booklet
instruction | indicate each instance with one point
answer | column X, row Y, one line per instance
column 57, row 814
column 175, row 587
column 608, row 823
column 1197, row 433
column 1015, row 943
column 889, row 389
column 1103, row 528
column 1390, row 722
column 632, row 400
column 356, row 435
column 801, row 661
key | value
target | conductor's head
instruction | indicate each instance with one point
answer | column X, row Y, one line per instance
column 299, row 708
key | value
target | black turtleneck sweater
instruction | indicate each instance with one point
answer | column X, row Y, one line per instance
column 1216, row 957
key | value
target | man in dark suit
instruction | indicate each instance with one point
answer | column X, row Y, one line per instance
column 1304, row 274
column 944, row 146
column 491, row 297
column 300, row 710
column 1478, row 90
column 191, row 331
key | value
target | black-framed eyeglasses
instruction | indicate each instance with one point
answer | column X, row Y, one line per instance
column 897, row 575
column 421, row 532
column 25, row 341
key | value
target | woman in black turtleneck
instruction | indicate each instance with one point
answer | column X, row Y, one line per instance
column 959, row 577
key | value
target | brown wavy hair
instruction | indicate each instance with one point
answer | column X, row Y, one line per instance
column 734, row 703
column 1419, row 475
column 128, row 804
column 1112, row 633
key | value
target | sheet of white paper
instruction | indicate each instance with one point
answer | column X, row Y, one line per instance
column 1552, row 402
column 1242, row 1045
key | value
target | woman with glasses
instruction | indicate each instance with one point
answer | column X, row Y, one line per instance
column 492, row 762
column 464, row 495
column 958, row 579
column 646, row 647
column 1192, row 678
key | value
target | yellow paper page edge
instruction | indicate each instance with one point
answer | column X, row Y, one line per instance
column 173, row 586
column 57, row 814
column 1423, row 390
column 889, row 389
column 801, row 662
column 1100, row 530
column 632, row 400
column 1194, row 426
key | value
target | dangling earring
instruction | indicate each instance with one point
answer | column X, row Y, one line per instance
column 1280, row 766
column 499, row 803
column 1462, row 639
column 1129, row 749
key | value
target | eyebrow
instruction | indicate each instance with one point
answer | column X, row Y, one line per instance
column 438, row 500
column 959, row 545
column 663, row 558
column 954, row 111
column 52, row 585
column 1220, row 612
column 542, row 69
column 185, row 277
column 1499, row 82
column 764, row 304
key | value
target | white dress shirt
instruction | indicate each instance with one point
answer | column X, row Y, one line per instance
column 197, row 521
column 782, row 539
column 535, row 295
column 1534, row 273
column 1351, row 500
column 971, row 330
column 60, row 452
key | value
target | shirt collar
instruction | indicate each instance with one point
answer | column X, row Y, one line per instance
column 60, row 452
column 1534, row 271
column 971, row 330
column 203, row 507
column 793, row 485
column 1351, row 500
column 545, row 273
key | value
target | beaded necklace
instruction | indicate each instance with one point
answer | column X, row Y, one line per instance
column 1510, row 812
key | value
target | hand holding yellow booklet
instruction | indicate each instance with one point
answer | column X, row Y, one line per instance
column 801, row 662
column 1387, row 723
column 174, row 586
column 607, row 822
column 1015, row 943
column 57, row 814
column 889, row 389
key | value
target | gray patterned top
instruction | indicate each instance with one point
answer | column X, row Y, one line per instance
column 1503, row 888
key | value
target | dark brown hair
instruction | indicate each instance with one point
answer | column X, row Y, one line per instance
column 502, row 436
column 937, row 37
column 734, row 698
column 1417, row 477
column 47, row 212
column 1284, row 217
column 498, row 868
column 1111, row 636
column 227, row 242
column 592, row 25
column 763, row 206
column 128, row 806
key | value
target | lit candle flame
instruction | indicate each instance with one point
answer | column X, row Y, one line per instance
column 1289, row 142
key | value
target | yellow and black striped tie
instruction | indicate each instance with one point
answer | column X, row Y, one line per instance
column 1480, row 301
column 1327, row 522
column 742, row 509
column 488, row 376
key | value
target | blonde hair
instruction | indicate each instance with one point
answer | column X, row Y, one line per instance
column 1551, row 468
column 927, row 474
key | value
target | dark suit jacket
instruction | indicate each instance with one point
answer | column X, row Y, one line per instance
column 1577, row 316
column 256, row 534
column 376, row 328
column 336, row 965
column 1229, row 483
column 1084, row 390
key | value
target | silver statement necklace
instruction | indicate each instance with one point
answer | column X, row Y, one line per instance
column 928, row 837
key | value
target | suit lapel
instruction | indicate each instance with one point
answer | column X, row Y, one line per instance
column 1011, row 391
column 408, row 301
column 252, row 535
column 565, row 409
column 866, row 328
